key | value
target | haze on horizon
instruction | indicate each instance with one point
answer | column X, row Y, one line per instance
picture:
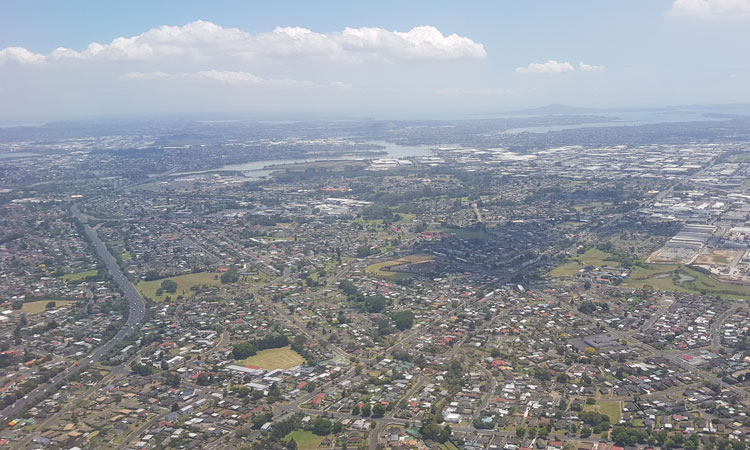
column 89, row 58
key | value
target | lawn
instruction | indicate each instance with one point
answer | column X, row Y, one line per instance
column 304, row 439
column 592, row 257
column 79, row 275
column 184, row 283
column 610, row 409
column 665, row 277
column 274, row 358
column 41, row 305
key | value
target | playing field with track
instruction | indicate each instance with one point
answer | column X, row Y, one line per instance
column 274, row 358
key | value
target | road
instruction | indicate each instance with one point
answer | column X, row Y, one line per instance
column 716, row 328
column 478, row 213
column 375, row 433
column 666, row 304
column 491, row 386
column 137, row 311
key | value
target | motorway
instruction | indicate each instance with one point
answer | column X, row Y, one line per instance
column 137, row 311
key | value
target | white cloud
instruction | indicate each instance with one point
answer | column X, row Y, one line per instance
column 19, row 55
column 203, row 41
column 225, row 77
column 712, row 9
column 589, row 68
column 423, row 42
column 550, row 67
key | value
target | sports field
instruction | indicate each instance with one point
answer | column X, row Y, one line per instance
column 79, row 275
column 274, row 358
column 41, row 305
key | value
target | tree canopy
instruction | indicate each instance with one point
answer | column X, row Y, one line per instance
column 404, row 320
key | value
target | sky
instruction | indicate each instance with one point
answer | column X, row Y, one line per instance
column 75, row 59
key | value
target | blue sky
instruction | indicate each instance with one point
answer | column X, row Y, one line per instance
column 224, row 57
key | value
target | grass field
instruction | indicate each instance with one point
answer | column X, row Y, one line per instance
column 79, row 275
column 305, row 440
column 611, row 409
column 126, row 256
column 665, row 277
column 40, row 306
column 659, row 276
column 274, row 358
column 184, row 283
column 592, row 257
column 380, row 269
